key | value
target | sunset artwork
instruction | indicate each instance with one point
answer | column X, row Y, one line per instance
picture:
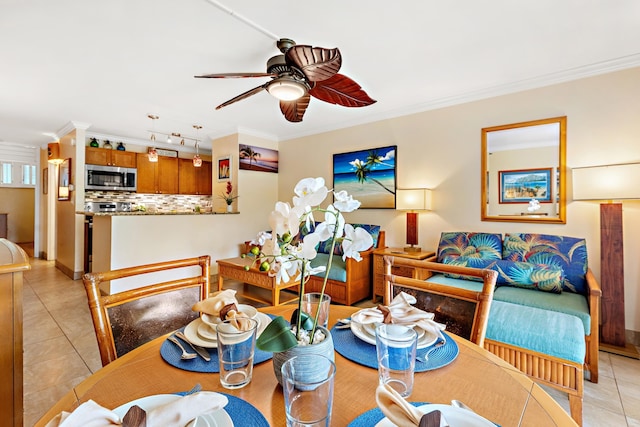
column 258, row 159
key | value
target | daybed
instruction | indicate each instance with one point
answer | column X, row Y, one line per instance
column 545, row 311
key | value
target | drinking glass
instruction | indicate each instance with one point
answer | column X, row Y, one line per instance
column 396, row 349
column 307, row 384
column 236, row 349
column 311, row 303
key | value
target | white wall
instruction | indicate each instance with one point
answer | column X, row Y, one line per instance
column 440, row 149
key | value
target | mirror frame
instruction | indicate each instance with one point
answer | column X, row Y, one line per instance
column 562, row 147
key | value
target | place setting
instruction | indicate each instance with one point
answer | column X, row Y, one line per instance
column 355, row 338
column 195, row 347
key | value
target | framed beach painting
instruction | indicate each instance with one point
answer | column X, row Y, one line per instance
column 224, row 168
column 258, row 158
column 520, row 186
column 367, row 175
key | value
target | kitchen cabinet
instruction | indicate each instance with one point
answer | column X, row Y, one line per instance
column 159, row 177
column 192, row 180
column 110, row 157
column 13, row 262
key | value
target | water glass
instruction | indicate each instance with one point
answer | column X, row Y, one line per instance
column 307, row 384
column 396, row 349
column 312, row 302
column 236, row 349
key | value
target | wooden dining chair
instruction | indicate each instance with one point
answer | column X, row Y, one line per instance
column 128, row 319
column 465, row 312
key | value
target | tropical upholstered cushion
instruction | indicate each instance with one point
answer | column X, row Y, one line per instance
column 527, row 275
column 568, row 253
column 338, row 267
column 474, row 245
column 373, row 230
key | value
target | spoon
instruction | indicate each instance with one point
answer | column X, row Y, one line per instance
column 185, row 355
column 461, row 405
column 425, row 357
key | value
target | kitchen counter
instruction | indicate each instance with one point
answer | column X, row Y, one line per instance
column 140, row 213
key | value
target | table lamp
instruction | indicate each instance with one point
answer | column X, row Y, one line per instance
column 608, row 183
column 412, row 200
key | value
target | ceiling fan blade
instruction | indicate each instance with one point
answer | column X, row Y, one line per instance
column 341, row 90
column 243, row 96
column 234, row 75
column 294, row 110
column 317, row 63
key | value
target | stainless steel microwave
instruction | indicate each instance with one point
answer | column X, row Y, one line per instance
column 110, row 178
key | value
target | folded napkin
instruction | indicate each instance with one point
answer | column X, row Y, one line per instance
column 216, row 302
column 400, row 412
column 176, row 413
column 400, row 312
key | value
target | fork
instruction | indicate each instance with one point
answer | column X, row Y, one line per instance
column 425, row 357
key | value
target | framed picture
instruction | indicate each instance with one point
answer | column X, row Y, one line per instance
column 45, row 181
column 367, row 175
column 224, row 168
column 64, row 179
column 520, row 186
column 258, row 158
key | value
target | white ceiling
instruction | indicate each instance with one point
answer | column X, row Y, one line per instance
column 111, row 63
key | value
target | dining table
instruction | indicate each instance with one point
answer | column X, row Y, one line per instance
column 491, row 387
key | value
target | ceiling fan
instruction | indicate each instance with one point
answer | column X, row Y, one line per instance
column 302, row 71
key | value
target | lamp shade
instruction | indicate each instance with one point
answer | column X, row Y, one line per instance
column 609, row 182
column 413, row 199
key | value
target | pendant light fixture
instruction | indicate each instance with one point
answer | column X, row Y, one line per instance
column 153, row 154
column 197, row 161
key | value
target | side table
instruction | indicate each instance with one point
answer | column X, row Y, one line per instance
column 378, row 266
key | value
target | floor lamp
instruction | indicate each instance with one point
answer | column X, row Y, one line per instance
column 412, row 200
column 607, row 183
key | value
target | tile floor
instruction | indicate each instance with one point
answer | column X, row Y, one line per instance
column 60, row 350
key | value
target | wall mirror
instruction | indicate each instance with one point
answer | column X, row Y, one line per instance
column 64, row 179
column 523, row 176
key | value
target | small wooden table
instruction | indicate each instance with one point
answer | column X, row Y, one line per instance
column 235, row 268
column 378, row 266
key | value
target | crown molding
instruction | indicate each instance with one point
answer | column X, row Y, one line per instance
column 71, row 126
column 536, row 82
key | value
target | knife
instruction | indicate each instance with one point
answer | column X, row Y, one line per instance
column 202, row 352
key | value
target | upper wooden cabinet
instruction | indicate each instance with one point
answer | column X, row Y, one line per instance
column 192, row 180
column 159, row 177
column 110, row 157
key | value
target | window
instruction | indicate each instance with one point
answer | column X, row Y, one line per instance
column 16, row 174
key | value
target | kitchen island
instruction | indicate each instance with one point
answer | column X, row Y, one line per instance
column 125, row 239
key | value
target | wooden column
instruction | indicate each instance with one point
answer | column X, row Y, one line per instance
column 612, row 328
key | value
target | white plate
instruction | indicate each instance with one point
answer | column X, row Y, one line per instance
column 214, row 419
column 209, row 333
column 455, row 416
column 191, row 331
column 359, row 331
column 370, row 328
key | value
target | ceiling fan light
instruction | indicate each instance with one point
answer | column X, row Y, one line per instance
column 286, row 89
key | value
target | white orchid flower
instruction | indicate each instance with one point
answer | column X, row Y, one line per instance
column 355, row 240
column 344, row 202
column 283, row 220
column 284, row 267
column 334, row 223
column 309, row 244
column 310, row 192
column 261, row 238
column 309, row 270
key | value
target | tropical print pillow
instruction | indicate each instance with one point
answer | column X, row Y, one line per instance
column 542, row 277
column 567, row 253
column 473, row 245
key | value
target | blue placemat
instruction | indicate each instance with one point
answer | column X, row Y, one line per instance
column 356, row 350
column 243, row 413
column 373, row 417
column 171, row 354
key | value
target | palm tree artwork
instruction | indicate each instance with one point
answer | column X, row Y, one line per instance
column 258, row 158
column 371, row 174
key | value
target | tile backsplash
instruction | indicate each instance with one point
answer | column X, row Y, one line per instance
column 161, row 202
